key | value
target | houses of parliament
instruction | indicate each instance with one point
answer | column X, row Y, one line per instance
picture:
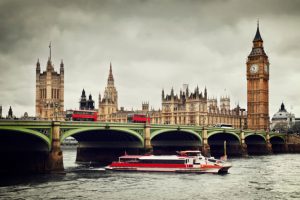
column 188, row 107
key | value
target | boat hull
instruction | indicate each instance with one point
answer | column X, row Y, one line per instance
column 213, row 170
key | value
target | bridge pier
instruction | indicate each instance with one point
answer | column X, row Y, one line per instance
column 205, row 146
column 244, row 151
column 268, row 144
column 147, row 138
column 54, row 163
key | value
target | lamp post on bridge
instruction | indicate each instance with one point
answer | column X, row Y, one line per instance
column 244, row 151
column 56, row 107
column 242, row 116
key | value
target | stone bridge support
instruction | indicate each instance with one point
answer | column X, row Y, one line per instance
column 205, row 146
column 292, row 143
column 55, row 158
column 147, row 138
column 244, row 150
column 268, row 144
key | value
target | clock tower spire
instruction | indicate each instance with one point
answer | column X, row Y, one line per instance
column 258, row 85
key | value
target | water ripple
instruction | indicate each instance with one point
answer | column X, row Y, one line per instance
column 263, row 177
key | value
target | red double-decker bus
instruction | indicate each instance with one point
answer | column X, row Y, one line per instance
column 138, row 118
column 81, row 115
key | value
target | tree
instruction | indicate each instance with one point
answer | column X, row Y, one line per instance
column 281, row 127
column 296, row 128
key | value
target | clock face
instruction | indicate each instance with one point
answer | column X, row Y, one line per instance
column 253, row 68
column 266, row 67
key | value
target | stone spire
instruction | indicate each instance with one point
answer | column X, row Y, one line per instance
column 257, row 36
column 110, row 80
column 38, row 66
column 50, row 50
column 258, row 48
column 62, row 66
column 83, row 94
column 282, row 108
column 49, row 63
column 197, row 90
column 172, row 92
column 10, row 113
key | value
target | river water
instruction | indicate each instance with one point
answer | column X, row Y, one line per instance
column 259, row 177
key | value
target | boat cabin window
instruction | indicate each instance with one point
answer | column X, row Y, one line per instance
column 128, row 159
column 158, row 161
column 211, row 160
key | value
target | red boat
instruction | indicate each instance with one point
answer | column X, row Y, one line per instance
column 185, row 162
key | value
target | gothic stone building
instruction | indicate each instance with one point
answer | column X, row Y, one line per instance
column 196, row 109
column 49, row 103
column 187, row 108
column 108, row 105
column 191, row 108
column 86, row 104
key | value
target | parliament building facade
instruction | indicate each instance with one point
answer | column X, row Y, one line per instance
column 185, row 108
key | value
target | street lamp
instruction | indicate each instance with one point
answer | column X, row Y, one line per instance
column 56, row 111
column 242, row 116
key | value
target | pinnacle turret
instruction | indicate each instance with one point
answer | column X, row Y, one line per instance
column 83, row 93
column 38, row 66
column 62, row 66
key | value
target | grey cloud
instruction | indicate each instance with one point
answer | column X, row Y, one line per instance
column 151, row 44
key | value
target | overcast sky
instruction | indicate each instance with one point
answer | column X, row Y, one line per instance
column 152, row 45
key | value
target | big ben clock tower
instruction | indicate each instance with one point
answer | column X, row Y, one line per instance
column 258, row 85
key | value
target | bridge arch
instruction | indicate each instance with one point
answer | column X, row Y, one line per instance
column 104, row 145
column 223, row 132
column 155, row 133
column 23, row 150
column 256, row 135
column 168, row 141
column 256, row 144
column 216, row 142
column 278, row 144
column 123, row 130
column 17, row 130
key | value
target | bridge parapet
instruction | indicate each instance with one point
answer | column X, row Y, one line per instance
column 70, row 128
column 41, row 129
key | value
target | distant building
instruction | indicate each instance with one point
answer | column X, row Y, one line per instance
column 86, row 104
column 282, row 120
column 49, row 102
column 27, row 117
column 10, row 114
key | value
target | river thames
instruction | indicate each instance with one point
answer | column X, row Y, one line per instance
column 257, row 177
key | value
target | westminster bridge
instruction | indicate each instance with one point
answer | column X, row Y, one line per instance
column 36, row 145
